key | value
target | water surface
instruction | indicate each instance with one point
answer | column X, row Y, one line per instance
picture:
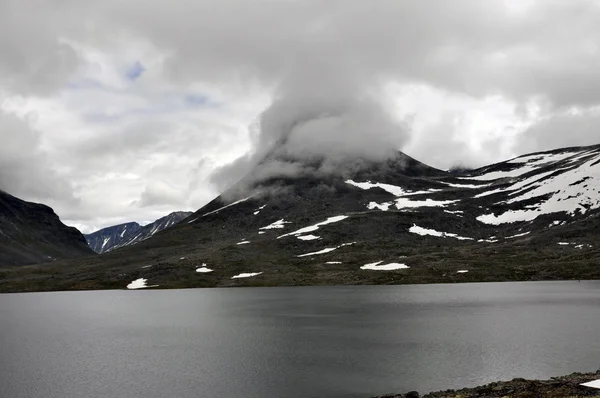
column 294, row 342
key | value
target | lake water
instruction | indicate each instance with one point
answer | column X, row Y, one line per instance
column 294, row 342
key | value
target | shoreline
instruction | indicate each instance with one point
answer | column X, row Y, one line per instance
column 49, row 289
column 557, row 387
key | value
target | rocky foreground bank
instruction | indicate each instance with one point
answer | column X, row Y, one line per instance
column 558, row 387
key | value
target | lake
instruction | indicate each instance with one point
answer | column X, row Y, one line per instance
column 354, row 341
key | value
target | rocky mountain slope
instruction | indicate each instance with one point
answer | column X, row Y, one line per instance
column 32, row 233
column 398, row 221
column 117, row 236
column 105, row 239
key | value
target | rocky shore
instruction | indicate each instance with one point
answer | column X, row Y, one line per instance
column 557, row 387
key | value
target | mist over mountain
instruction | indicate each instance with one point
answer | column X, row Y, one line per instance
column 374, row 222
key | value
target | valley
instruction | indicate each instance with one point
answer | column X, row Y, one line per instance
column 395, row 222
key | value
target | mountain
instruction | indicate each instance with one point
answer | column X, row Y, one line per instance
column 399, row 221
column 107, row 238
column 115, row 237
column 33, row 233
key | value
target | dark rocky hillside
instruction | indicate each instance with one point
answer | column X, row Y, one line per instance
column 400, row 221
column 32, row 233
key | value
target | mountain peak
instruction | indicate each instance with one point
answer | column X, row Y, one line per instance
column 277, row 173
column 117, row 236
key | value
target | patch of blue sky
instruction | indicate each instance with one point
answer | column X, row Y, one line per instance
column 196, row 99
column 85, row 84
column 169, row 102
column 135, row 71
column 199, row 100
column 158, row 109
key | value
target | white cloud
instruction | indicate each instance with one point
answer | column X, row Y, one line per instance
column 573, row 127
column 450, row 129
column 159, row 193
column 111, row 143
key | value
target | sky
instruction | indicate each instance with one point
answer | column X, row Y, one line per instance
column 119, row 111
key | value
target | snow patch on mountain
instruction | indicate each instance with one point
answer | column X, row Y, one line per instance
column 489, row 240
column 508, row 217
column 154, row 230
column 203, row 269
column 309, row 237
column 407, row 203
column 257, row 211
column 225, row 207
column 464, row 186
column 394, row 190
column 279, row 224
column 517, row 235
column 326, row 250
column 401, row 195
column 139, row 284
column 246, row 275
column 571, row 191
column 519, row 185
column 432, row 232
column 384, row 267
column 455, row 212
column 381, row 206
column 315, row 227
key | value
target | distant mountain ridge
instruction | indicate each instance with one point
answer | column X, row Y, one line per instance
column 117, row 236
column 32, row 233
column 534, row 217
column 107, row 238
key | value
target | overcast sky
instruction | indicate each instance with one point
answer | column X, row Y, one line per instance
column 125, row 110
